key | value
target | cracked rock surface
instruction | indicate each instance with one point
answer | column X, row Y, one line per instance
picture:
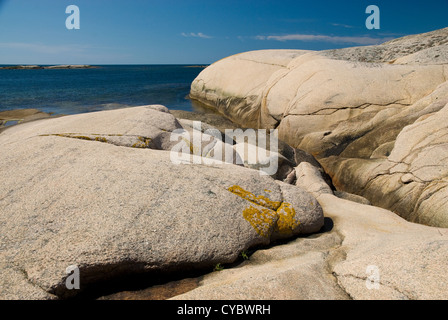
column 374, row 116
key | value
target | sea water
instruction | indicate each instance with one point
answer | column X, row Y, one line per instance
column 72, row 91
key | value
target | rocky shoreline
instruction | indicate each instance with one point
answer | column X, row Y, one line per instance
column 17, row 116
column 107, row 172
column 105, row 194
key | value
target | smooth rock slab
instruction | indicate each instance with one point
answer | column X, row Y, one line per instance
column 353, row 109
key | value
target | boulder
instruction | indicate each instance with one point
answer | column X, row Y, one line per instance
column 240, row 84
column 99, row 192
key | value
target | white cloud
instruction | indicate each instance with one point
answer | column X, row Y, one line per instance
column 361, row 40
column 43, row 48
column 196, row 35
column 342, row 25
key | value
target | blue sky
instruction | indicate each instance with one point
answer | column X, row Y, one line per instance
column 198, row 31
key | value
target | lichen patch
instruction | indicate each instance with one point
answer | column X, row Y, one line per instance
column 274, row 216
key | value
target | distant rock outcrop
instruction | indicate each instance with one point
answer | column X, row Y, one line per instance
column 34, row 67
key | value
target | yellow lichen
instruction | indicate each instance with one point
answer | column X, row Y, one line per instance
column 260, row 200
column 194, row 150
column 143, row 142
column 287, row 221
column 261, row 220
column 101, row 139
column 276, row 215
column 82, row 138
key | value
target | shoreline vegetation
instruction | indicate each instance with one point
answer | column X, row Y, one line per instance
column 36, row 67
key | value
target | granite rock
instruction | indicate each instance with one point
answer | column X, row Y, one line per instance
column 352, row 110
column 118, row 206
